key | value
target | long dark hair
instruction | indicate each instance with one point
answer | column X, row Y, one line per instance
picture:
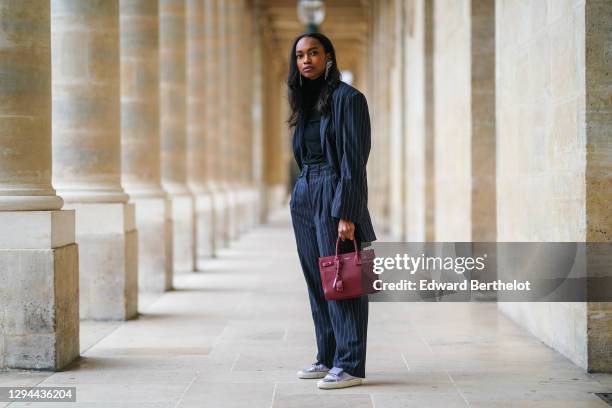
column 294, row 91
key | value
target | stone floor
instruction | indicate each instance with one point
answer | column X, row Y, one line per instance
column 235, row 335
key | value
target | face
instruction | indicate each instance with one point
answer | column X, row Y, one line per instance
column 311, row 57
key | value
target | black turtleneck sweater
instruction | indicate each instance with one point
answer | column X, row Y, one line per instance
column 312, row 151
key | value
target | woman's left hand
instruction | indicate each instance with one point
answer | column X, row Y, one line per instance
column 346, row 230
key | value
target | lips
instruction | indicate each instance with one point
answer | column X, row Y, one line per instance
column 308, row 69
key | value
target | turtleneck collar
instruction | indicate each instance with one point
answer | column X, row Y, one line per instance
column 312, row 89
column 314, row 84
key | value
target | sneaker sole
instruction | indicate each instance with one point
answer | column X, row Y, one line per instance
column 329, row 385
column 310, row 376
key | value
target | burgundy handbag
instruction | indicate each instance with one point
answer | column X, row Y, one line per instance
column 349, row 275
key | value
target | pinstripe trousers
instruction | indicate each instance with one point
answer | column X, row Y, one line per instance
column 340, row 326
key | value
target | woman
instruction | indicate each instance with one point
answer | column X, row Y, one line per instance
column 331, row 144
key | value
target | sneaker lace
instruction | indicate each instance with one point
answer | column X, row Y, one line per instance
column 334, row 374
column 318, row 366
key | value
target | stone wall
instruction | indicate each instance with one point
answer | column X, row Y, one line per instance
column 553, row 166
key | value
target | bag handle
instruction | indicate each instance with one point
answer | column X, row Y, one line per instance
column 337, row 285
column 354, row 243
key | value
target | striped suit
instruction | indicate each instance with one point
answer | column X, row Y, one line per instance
column 323, row 194
column 345, row 140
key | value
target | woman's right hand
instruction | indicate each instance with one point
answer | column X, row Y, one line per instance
column 346, row 230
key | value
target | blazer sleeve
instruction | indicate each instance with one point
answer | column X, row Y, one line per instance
column 351, row 196
column 295, row 144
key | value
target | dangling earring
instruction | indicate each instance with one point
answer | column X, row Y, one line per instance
column 300, row 78
column 328, row 66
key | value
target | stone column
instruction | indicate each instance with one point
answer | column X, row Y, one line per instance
column 196, row 128
column 257, row 165
column 452, row 78
column 483, row 158
column 253, row 111
column 140, row 141
column 430, row 177
column 221, row 198
column 381, row 42
column 234, row 113
column 465, row 120
column 253, row 83
column 275, row 114
column 262, row 136
column 598, row 172
column 215, row 115
column 397, row 159
column 39, row 297
column 173, row 131
column 245, row 135
column 87, row 154
column 414, row 64
column 242, row 99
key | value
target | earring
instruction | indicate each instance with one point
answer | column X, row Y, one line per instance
column 328, row 66
column 300, row 78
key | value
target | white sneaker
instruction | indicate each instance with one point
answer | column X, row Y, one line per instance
column 337, row 378
column 314, row 371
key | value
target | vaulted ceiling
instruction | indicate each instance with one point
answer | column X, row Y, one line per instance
column 346, row 24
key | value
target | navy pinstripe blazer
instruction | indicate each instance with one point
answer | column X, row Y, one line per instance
column 345, row 140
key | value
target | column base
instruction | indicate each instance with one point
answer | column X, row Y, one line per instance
column 233, row 205
column 182, row 208
column 154, row 224
column 276, row 195
column 221, row 215
column 261, row 196
column 39, row 327
column 108, row 260
column 252, row 206
column 205, row 227
column 242, row 210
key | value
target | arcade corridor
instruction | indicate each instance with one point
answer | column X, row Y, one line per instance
column 146, row 252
